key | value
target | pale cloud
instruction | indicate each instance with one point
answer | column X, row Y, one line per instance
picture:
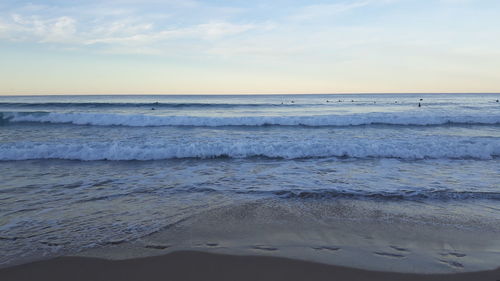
column 53, row 30
column 380, row 42
column 179, row 3
column 121, row 27
column 62, row 29
column 214, row 30
column 119, row 23
column 456, row 1
column 133, row 32
column 327, row 10
column 206, row 31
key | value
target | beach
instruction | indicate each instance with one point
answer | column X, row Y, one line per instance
column 249, row 140
column 258, row 187
column 203, row 266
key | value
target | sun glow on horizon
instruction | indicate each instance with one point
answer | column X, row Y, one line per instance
column 237, row 47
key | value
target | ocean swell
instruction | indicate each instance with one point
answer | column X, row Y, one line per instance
column 389, row 195
column 166, row 105
column 433, row 148
column 142, row 120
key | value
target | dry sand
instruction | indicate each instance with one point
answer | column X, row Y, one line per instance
column 189, row 265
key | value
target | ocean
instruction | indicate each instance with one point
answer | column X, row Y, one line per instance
column 272, row 174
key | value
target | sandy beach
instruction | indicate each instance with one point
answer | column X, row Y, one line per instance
column 189, row 265
column 249, row 140
column 250, row 188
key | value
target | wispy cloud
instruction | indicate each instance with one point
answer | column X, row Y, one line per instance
column 289, row 41
column 66, row 30
column 118, row 24
column 53, row 30
column 141, row 36
column 327, row 10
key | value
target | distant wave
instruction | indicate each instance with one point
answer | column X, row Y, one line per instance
column 138, row 120
column 140, row 104
column 220, row 105
column 431, row 148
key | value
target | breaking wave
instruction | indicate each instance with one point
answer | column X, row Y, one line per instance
column 139, row 120
column 432, row 148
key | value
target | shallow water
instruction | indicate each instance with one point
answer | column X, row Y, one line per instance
column 90, row 171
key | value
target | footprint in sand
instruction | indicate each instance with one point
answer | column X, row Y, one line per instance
column 389, row 255
column 452, row 263
column 326, row 248
column 157, row 247
column 400, row 249
column 264, row 248
column 8, row 238
column 454, row 254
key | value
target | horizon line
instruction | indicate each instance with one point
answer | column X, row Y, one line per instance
column 250, row 94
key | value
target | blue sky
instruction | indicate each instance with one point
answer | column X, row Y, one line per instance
column 194, row 46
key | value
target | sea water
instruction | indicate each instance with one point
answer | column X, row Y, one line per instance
column 81, row 172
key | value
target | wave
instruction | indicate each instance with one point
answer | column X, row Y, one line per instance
column 386, row 195
column 140, row 120
column 140, row 104
column 331, row 193
column 434, row 148
column 174, row 105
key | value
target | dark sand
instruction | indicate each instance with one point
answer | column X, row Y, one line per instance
column 204, row 266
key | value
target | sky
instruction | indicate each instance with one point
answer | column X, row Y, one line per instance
column 249, row 47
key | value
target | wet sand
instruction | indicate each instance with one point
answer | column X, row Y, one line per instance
column 189, row 265
column 324, row 233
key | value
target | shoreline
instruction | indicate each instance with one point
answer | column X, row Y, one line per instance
column 392, row 238
column 191, row 265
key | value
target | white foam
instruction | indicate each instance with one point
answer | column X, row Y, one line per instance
column 137, row 120
column 432, row 148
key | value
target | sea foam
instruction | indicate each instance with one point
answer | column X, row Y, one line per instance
column 143, row 120
column 431, row 148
